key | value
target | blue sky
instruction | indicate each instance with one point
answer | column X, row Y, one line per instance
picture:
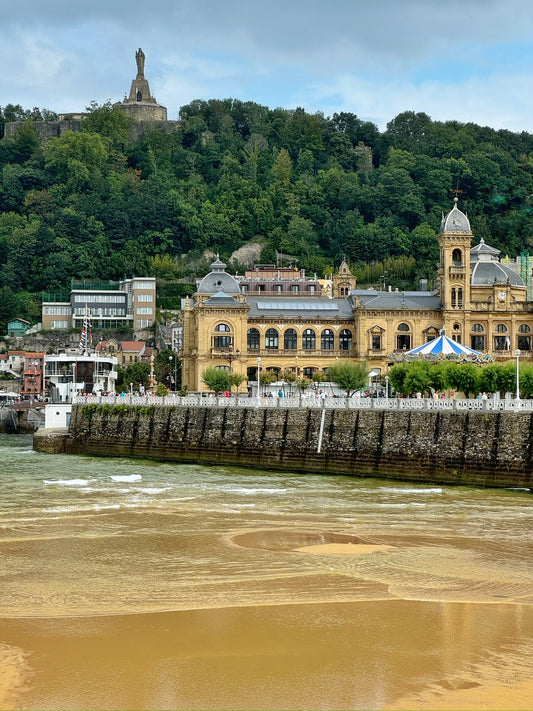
column 464, row 61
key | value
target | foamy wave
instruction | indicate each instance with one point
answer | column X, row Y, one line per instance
column 67, row 482
column 153, row 490
column 392, row 490
column 126, row 477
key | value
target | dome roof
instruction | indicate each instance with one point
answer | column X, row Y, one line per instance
column 488, row 273
column 218, row 280
column 455, row 221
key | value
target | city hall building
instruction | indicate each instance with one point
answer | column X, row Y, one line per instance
column 279, row 319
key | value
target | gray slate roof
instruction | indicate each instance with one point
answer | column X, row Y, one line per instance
column 372, row 299
column 308, row 308
column 488, row 273
column 455, row 221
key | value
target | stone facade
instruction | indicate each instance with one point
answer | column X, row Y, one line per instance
column 478, row 301
column 472, row 448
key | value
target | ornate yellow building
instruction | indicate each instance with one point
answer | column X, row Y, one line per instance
column 478, row 301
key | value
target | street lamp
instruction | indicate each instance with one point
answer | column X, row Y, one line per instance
column 517, row 354
column 258, row 378
column 170, row 359
column 386, row 387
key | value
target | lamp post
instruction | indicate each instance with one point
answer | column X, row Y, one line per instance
column 517, row 354
column 386, row 387
column 258, row 378
column 170, row 359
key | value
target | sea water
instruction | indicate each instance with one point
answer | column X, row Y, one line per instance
column 128, row 583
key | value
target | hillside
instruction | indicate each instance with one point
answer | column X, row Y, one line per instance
column 95, row 204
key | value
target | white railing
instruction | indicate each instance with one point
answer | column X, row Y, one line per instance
column 329, row 403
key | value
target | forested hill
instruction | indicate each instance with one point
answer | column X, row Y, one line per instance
column 93, row 205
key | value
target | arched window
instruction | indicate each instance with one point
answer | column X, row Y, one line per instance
column 271, row 338
column 403, row 338
column 457, row 298
column 457, row 257
column 308, row 339
column 222, row 328
column 253, row 339
column 222, row 341
column 477, row 342
column 345, row 340
column 501, row 342
column 327, row 340
column 524, row 342
column 290, row 339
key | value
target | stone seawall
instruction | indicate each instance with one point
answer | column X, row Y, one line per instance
column 471, row 448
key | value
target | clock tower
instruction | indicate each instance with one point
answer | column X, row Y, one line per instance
column 455, row 239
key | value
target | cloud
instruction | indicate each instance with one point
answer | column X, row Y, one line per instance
column 454, row 60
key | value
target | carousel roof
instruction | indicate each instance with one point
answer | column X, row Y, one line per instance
column 442, row 346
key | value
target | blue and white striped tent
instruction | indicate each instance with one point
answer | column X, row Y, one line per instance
column 442, row 346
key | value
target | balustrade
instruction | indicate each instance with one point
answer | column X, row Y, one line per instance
column 329, row 403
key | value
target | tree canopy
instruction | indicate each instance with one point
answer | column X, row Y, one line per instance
column 100, row 204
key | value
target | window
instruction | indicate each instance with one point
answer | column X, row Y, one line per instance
column 278, row 287
column 327, row 340
column 376, row 342
column 145, row 285
column 143, row 323
column 312, row 288
column 501, row 328
column 271, row 338
column 308, row 373
column 253, row 339
column 295, row 288
column 145, row 297
column 57, row 310
column 457, row 257
column 148, row 310
column 308, row 340
column 477, row 343
column 477, row 328
column 345, row 340
column 222, row 342
column 59, row 324
column 501, row 343
column 290, row 339
column 457, row 298
column 403, row 339
column 524, row 342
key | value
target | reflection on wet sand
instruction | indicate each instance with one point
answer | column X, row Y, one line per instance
column 342, row 656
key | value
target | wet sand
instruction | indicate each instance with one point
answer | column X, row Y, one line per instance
column 364, row 655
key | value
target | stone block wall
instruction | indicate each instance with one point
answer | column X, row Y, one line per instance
column 471, row 448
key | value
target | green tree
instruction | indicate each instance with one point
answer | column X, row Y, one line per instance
column 464, row 377
column 217, row 379
column 349, row 376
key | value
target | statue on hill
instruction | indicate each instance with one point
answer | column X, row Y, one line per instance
column 139, row 58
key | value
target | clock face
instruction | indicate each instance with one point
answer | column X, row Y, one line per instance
column 501, row 295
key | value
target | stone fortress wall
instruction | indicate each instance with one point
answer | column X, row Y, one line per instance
column 489, row 449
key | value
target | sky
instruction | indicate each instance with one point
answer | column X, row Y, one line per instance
column 469, row 61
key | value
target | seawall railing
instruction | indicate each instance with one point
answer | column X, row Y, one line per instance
column 328, row 403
